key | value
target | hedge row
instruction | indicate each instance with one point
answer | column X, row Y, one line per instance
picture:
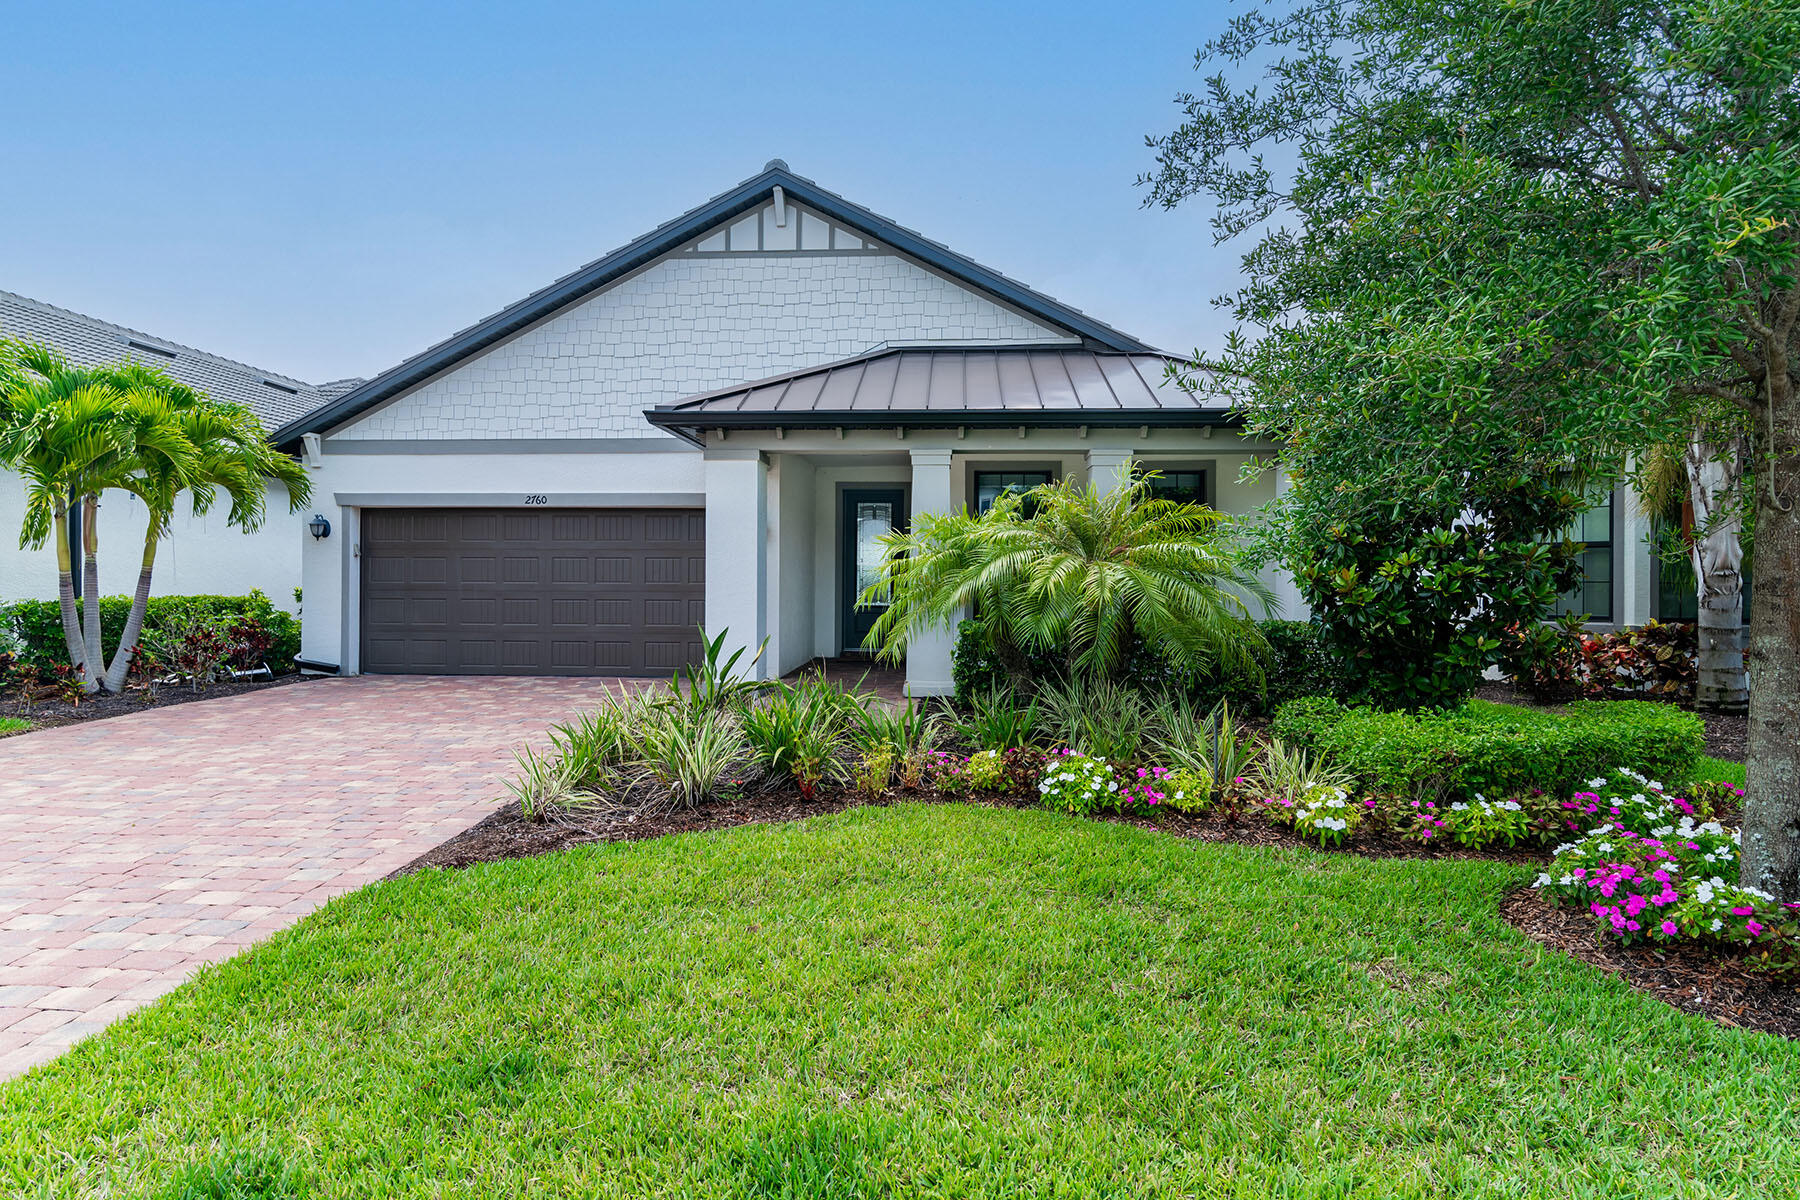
column 1295, row 663
column 1495, row 749
column 37, row 624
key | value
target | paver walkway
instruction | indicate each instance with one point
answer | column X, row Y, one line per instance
column 136, row 848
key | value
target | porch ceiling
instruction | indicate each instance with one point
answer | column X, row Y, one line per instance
column 939, row 387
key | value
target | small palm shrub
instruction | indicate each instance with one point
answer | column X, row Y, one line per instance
column 1077, row 572
column 796, row 732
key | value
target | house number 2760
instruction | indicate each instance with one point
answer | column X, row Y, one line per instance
column 536, row 498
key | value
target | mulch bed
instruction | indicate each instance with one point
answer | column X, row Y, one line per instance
column 1693, row 978
column 1727, row 734
column 47, row 714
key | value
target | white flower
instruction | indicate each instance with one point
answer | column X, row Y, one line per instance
column 1596, row 783
column 1543, row 879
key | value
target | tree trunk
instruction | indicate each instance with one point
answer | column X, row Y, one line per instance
column 1772, row 793
column 1713, row 473
column 65, row 588
column 94, row 661
column 120, row 669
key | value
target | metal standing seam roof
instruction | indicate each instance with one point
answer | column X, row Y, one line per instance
column 748, row 195
column 954, row 386
column 86, row 341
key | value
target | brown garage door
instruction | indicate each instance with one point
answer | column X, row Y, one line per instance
column 554, row 591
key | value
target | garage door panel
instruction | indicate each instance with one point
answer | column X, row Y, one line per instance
column 570, row 591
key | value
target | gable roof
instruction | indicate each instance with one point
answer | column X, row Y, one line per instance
column 939, row 386
column 748, row 195
column 90, row 342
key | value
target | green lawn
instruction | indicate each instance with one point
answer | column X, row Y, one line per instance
column 13, row 725
column 916, row 1001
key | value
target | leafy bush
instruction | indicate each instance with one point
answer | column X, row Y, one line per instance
column 1298, row 663
column 1293, row 661
column 37, row 624
column 1187, row 791
column 1105, row 719
column 547, row 784
column 1076, row 783
column 1213, row 750
column 686, row 751
column 1654, row 659
column 997, row 721
column 874, row 770
column 901, row 729
column 796, row 731
column 1482, row 823
column 1494, row 749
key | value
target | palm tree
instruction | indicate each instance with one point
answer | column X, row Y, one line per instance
column 75, row 433
column 1065, row 568
column 59, row 430
column 188, row 443
column 1699, row 485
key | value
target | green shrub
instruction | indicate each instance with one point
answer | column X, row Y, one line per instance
column 1294, row 662
column 37, row 624
column 1298, row 663
column 1495, row 749
column 796, row 731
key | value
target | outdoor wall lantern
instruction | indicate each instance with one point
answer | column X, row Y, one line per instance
column 321, row 528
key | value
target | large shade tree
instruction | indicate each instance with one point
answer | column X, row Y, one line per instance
column 75, row 433
column 1565, row 230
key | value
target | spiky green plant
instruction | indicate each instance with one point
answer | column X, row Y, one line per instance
column 1068, row 569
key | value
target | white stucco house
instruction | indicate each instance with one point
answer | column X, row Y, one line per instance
column 201, row 554
column 710, row 426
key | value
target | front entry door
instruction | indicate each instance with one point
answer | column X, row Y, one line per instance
column 865, row 515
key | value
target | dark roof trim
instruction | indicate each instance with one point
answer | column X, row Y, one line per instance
column 688, row 425
column 746, row 196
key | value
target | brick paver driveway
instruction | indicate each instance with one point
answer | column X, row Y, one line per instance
column 136, row 848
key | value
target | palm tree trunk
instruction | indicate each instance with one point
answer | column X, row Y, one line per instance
column 1713, row 472
column 120, row 669
column 94, row 662
column 65, row 588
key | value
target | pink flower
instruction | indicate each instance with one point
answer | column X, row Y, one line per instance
column 1742, row 910
column 1753, row 927
column 1668, row 928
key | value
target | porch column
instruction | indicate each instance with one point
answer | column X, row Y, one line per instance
column 928, row 654
column 1632, row 567
column 1289, row 604
column 1108, row 468
column 737, row 505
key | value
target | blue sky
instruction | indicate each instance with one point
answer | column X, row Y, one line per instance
column 325, row 189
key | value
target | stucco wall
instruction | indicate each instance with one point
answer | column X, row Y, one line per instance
column 687, row 324
column 199, row 555
column 346, row 483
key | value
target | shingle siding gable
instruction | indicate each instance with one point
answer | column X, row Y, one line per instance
column 687, row 324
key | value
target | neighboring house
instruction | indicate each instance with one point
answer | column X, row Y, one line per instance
column 201, row 554
column 713, row 425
